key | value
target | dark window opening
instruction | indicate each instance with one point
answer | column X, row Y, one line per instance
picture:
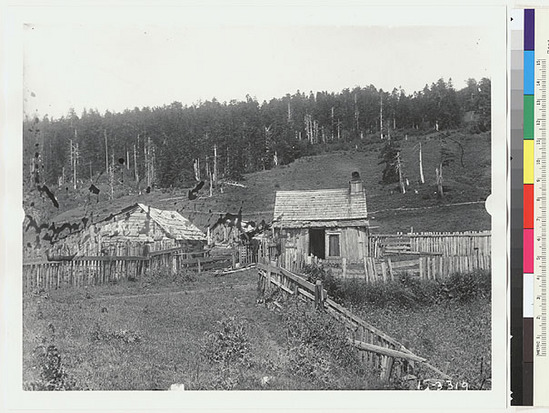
column 333, row 245
column 317, row 246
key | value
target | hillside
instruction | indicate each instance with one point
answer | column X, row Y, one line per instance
column 389, row 210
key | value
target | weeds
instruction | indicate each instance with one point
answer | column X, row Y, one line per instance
column 229, row 350
column 53, row 376
column 318, row 349
column 125, row 336
column 229, row 344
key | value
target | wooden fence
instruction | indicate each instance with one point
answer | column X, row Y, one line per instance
column 436, row 243
column 376, row 349
column 425, row 267
column 425, row 255
column 259, row 250
column 82, row 271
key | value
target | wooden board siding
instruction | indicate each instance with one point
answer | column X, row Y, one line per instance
column 295, row 245
column 353, row 243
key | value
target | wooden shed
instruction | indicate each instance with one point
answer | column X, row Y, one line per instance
column 134, row 231
column 329, row 224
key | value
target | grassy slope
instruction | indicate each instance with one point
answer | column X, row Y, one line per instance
column 469, row 182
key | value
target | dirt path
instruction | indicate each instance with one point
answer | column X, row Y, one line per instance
column 245, row 280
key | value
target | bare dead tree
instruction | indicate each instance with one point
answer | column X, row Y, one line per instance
column 400, row 175
column 421, row 177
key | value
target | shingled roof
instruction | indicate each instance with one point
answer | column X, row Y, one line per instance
column 320, row 208
column 174, row 224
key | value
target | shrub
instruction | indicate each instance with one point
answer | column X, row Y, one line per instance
column 53, row 376
column 333, row 285
column 230, row 344
column 468, row 286
column 408, row 291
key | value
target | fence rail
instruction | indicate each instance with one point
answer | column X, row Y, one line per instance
column 80, row 271
column 375, row 348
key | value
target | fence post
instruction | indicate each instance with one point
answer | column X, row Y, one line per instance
column 260, row 284
column 233, row 260
column 199, row 266
column 174, row 264
column 384, row 270
column 390, row 265
column 319, row 298
column 344, row 265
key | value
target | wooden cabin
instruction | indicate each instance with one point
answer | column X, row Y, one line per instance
column 329, row 224
column 134, row 231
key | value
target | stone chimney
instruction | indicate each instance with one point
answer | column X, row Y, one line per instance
column 355, row 184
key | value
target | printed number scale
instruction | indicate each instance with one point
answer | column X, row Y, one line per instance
column 541, row 356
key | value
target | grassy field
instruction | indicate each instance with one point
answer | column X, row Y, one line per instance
column 209, row 333
column 154, row 333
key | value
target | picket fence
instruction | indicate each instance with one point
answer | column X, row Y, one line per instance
column 376, row 349
column 80, row 271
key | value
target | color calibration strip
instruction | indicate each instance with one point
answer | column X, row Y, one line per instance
column 518, row 280
column 529, row 40
column 528, row 205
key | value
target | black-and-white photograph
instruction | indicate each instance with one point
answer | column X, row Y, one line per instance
column 256, row 207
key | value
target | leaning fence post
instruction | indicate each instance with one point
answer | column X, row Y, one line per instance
column 199, row 266
column 319, row 299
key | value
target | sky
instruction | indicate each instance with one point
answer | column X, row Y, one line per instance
column 106, row 67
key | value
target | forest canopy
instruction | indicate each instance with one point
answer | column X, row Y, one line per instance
column 176, row 144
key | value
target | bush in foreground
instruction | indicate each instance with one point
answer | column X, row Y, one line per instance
column 53, row 376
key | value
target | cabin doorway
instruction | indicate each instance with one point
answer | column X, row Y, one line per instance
column 317, row 245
